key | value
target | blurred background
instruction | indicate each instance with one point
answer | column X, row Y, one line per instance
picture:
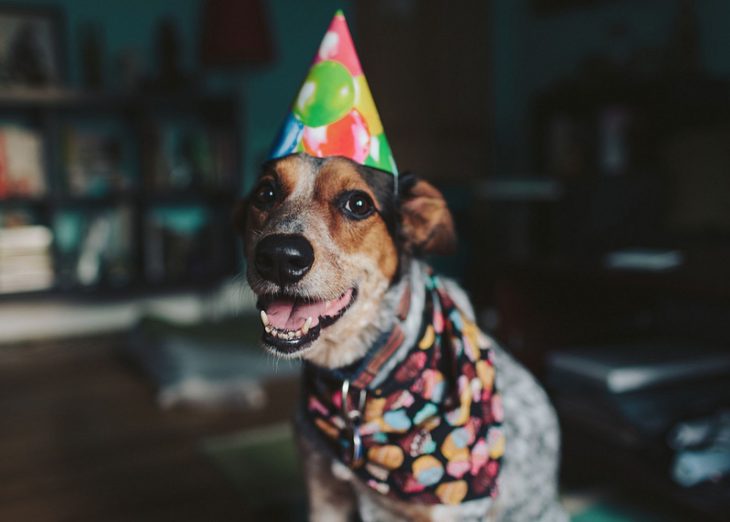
column 584, row 148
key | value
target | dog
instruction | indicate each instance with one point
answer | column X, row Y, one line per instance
column 334, row 255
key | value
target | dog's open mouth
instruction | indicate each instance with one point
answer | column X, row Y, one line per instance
column 291, row 323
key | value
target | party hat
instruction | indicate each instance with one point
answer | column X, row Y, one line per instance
column 334, row 113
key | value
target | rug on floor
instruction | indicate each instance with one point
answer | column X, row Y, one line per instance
column 263, row 465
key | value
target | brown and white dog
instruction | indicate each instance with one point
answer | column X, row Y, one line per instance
column 330, row 246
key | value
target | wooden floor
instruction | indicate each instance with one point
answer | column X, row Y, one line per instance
column 81, row 439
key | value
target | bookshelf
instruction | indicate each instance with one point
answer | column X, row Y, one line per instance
column 119, row 194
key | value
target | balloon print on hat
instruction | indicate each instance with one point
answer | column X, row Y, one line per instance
column 334, row 113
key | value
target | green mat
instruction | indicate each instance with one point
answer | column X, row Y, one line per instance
column 621, row 508
column 603, row 513
column 264, row 466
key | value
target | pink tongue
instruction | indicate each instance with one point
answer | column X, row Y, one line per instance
column 289, row 314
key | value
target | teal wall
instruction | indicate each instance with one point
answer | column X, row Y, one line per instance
column 127, row 24
column 530, row 53
column 297, row 27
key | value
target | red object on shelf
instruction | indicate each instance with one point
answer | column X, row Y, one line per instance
column 235, row 32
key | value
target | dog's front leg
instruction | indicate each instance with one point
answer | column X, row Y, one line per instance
column 330, row 499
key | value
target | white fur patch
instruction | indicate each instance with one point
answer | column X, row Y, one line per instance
column 341, row 472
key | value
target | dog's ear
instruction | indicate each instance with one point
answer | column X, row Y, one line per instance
column 240, row 210
column 427, row 225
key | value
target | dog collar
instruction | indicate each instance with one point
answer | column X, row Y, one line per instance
column 431, row 430
column 361, row 373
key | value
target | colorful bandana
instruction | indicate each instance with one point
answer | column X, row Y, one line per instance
column 432, row 432
column 334, row 113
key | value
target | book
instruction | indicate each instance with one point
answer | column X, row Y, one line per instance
column 25, row 258
column 21, row 163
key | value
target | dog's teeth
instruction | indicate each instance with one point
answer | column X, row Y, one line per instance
column 264, row 318
column 283, row 335
column 298, row 333
column 268, row 329
column 290, row 335
column 307, row 325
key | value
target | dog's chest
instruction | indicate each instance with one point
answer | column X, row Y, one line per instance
column 430, row 432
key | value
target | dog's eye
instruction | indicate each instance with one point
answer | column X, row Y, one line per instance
column 358, row 205
column 265, row 195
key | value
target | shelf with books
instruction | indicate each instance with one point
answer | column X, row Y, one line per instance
column 184, row 156
column 134, row 193
column 177, row 240
column 94, row 247
column 98, row 157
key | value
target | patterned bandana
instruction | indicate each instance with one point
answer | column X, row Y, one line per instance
column 431, row 433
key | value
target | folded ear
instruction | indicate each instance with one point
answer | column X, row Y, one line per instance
column 427, row 225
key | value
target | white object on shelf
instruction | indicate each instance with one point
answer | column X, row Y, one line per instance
column 25, row 259
column 644, row 259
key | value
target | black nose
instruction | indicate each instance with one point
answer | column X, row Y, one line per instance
column 283, row 259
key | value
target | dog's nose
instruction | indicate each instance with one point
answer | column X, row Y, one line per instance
column 283, row 259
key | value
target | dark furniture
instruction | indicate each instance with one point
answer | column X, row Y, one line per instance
column 621, row 438
column 149, row 130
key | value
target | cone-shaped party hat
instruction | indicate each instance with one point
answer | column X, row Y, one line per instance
column 334, row 113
